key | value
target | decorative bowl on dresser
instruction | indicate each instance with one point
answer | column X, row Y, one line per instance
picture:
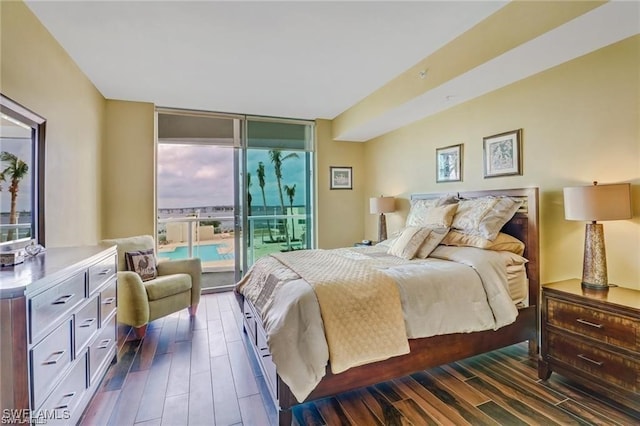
column 58, row 334
column 592, row 338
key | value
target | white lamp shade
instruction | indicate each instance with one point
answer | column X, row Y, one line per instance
column 379, row 205
column 598, row 202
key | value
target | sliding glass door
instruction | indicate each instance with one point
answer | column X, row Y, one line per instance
column 231, row 189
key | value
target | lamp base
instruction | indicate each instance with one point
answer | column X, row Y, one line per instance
column 594, row 264
column 382, row 228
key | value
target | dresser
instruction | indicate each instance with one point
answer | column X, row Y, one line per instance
column 593, row 338
column 58, row 334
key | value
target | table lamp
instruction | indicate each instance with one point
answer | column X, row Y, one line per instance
column 381, row 205
column 596, row 203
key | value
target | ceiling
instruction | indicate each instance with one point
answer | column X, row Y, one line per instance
column 301, row 59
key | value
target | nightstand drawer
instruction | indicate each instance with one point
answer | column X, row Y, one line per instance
column 604, row 326
column 612, row 368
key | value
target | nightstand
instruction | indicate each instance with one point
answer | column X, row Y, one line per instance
column 593, row 338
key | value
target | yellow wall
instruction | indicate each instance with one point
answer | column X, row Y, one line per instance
column 339, row 212
column 37, row 73
column 129, row 170
column 580, row 121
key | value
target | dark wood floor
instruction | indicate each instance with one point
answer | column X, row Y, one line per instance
column 198, row 372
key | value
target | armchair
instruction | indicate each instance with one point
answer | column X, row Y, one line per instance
column 176, row 287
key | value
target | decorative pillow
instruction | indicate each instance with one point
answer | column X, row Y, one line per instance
column 430, row 213
column 432, row 241
column 503, row 242
column 408, row 243
column 484, row 216
column 143, row 263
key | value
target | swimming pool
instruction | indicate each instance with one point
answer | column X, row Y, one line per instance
column 206, row 252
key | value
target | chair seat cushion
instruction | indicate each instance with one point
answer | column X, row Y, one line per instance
column 167, row 285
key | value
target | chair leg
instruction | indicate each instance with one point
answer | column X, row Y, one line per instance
column 192, row 309
column 140, row 331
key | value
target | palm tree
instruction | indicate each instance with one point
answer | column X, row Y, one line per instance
column 260, row 172
column 291, row 192
column 16, row 170
column 277, row 159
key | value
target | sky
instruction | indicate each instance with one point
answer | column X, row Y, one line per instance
column 202, row 175
column 22, row 149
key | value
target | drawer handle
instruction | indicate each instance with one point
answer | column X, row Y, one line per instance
column 58, row 356
column 88, row 322
column 108, row 300
column 104, row 344
column 63, row 299
column 598, row 363
column 590, row 324
column 104, row 272
column 63, row 406
column 248, row 316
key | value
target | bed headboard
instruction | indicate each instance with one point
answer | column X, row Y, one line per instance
column 523, row 226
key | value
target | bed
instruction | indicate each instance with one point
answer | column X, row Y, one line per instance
column 423, row 352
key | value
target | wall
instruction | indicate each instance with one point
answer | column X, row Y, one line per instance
column 580, row 121
column 339, row 212
column 129, row 158
column 37, row 73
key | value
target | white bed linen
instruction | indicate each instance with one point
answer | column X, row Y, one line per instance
column 433, row 303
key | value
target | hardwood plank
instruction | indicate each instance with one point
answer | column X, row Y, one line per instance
column 213, row 309
column 414, row 413
column 308, row 415
column 243, row 375
column 333, row 413
column 589, row 416
column 381, row 406
column 429, row 402
column 460, row 389
column 167, row 335
column 217, row 342
column 252, row 410
column 201, row 410
column 126, row 408
column 230, row 326
column 176, row 411
column 357, row 410
column 153, row 422
column 184, row 330
column 100, row 409
column 155, row 390
column 225, row 400
column 200, row 352
column 146, row 351
column 500, row 415
column 180, row 370
column 467, row 411
column 116, row 375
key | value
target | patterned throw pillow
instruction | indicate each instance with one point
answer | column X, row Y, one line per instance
column 426, row 212
column 143, row 263
column 408, row 243
column 484, row 216
column 432, row 241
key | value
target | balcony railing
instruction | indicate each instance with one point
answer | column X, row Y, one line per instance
column 183, row 237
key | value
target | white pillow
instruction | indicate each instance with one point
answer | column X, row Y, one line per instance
column 427, row 214
column 408, row 243
column 484, row 216
column 432, row 241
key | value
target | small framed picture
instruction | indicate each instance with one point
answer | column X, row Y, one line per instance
column 449, row 164
column 340, row 178
column 503, row 154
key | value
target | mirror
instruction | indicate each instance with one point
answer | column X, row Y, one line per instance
column 21, row 176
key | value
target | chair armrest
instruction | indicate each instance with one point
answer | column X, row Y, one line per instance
column 192, row 266
column 133, row 303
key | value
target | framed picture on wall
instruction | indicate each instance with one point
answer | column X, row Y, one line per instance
column 449, row 164
column 340, row 178
column 503, row 154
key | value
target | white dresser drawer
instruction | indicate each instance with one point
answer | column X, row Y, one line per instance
column 49, row 359
column 102, row 347
column 108, row 301
column 86, row 324
column 48, row 307
column 101, row 272
column 61, row 405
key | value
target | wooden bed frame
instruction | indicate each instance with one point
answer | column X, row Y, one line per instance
column 425, row 352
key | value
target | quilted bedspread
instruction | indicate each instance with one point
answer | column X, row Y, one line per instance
column 461, row 291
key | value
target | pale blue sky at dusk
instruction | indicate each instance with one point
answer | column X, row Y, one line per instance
column 202, row 175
